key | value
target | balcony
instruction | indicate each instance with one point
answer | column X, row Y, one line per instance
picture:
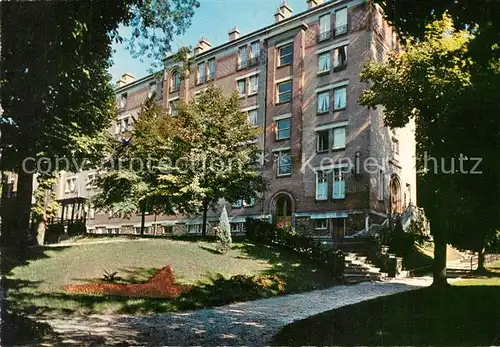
column 323, row 36
column 340, row 30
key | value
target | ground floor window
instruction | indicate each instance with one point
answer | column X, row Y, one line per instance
column 113, row 230
column 237, row 227
column 321, row 224
column 168, row 229
column 194, row 228
column 138, row 230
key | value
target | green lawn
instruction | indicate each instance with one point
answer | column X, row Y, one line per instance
column 37, row 286
column 465, row 314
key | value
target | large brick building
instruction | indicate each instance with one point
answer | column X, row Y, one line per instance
column 334, row 168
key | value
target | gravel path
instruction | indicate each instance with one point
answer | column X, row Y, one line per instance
column 248, row 323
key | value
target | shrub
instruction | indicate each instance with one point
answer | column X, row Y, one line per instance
column 54, row 232
column 76, row 228
column 223, row 233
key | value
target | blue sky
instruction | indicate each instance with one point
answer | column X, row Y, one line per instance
column 213, row 19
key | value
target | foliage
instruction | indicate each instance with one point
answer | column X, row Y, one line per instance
column 110, row 276
column 437, row 81
column 45, row 206
column 223, row 232
column 332, row 261
column 54, row 232
column 77, row 228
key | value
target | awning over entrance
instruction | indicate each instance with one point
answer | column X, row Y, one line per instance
column 322, row 215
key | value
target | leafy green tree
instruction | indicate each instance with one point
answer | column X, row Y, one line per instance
column 216, row 155
column 55, row 83
column 431, row 81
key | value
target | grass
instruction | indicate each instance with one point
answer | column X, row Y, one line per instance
column 466, row 314
column 37, row 287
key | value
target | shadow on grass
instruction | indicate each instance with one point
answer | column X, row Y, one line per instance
column 454, row 316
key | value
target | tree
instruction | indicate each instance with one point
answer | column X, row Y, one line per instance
column 216, row 152
column 427, row 81
column 55, row 84
column 223, row 232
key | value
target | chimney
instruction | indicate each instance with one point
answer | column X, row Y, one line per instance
column 234, row 33
column 202, row 46
column 313, row 3
column 283, row 12
column 126, row 78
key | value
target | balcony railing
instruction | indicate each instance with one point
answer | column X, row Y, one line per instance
column 322, row 36
column 340, row 30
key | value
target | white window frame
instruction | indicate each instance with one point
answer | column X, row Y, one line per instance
column 211, row 74
column 90, row 181
column 244, row 84
column 338, row 186
column 70, row 185
column 123, row 100
column 320, row 97
column 175, row 81
column 253, row 116
column 329, row 64
column 201, row 75
column 341, row 25
column 242, row 63
column 336, row 55
column 335, row 135
column 335, row 91
column 253, row 51
column 278, row 93
column 196, row 227
column 251, row 202
column 256, row 85
column 278, row 122
column 279, row 155
column 282, row 56
column 324, row 180
column 323, row 222
column 318, row 150
column 322, row 30
column 237, row 227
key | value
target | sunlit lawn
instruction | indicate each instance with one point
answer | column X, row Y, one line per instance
column 38, row 287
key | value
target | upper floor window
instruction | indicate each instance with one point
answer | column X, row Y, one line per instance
column 151, row 89
column 237, row 227
column 70, row 185
column 285, row 55
column 253, row 117
column 123, row 100
column 285, row 91
column 321, row 185
column 122, row 125
column 283, row 129
column 201, row 73
column 284, row 163
column 253, row 84
column 242, row 57
column 340, row 98
column 380, row 181
column 323, row 102
column 325, row 26
column 211, row 69
column 324, row 62
column 255, row 50
column 90, row 181
column 242, row 86
column 334, row 138
column 322, row 141
column 338, row 184
column 341, row 21
column 340, row 58
column 175, row 82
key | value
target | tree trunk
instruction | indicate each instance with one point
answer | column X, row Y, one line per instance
column 480, row 259
column 21, row 225
column 439, row 264
column 143, row 220
column 204, row 225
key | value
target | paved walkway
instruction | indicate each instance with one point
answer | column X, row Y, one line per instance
column 248, row 323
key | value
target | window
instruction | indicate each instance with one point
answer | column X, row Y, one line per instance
column 201, row 73
column 283, row 129
column 323, row 102
column 321, row 185
column 320, row 224
column 152, row 89
column 338, row 184
column 125, row 124
column 324, row 62
column 237, row 204
column 380, row 180
column 324, row 27
column 71, row 185
column 323, row 141
column 90, row 181
column 91, row 212
column 285, row 91
column 249, row 202
column 242, row 57
column 237, row 227
column 123, row 100
column 284, row 163
column 253, row 117
column 194, row 228
column 173, row 105
column 341, row 21
column 138, row 230
column 211, row 69
column 176, row 81
column 395, row 146
column 253, row 84
column 168, row 229
column 285, row 55
column 254, row 51
column 340, row 98
column 241, row 87
column 340, row 58
column 339, row 138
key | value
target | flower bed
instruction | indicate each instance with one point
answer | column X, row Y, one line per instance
column 161, row 285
